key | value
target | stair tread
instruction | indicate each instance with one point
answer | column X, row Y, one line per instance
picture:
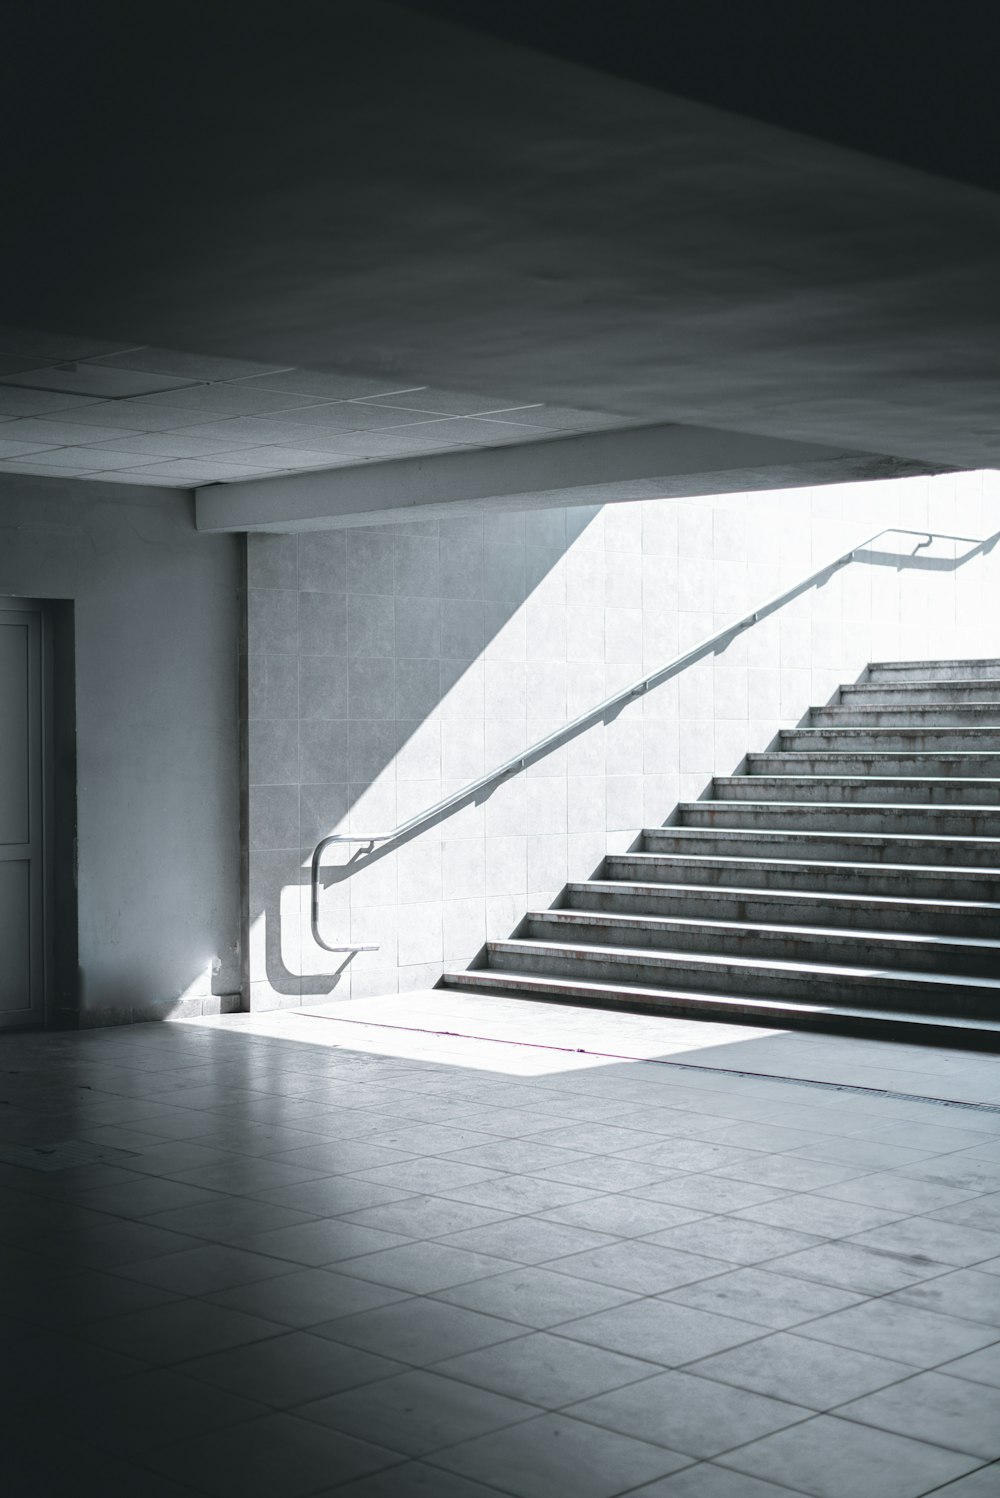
column 673, row 922
column 966, row 660
column 969, row 780
column 818, row 832
column 920, row 683
column 943, row 870
column 530, row 944
column 919, row 754
column 699, row 998
column 842, row 806
column 614, row 886
column 898, row 728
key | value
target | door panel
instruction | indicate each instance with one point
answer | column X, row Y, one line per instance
column 15, row 942
column 22, row 832
column 15, row 725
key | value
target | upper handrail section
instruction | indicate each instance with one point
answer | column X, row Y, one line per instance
column 594, row 714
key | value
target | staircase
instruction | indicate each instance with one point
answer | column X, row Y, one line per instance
column 848, row 878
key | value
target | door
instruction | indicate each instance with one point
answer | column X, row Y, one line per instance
column 22, row 816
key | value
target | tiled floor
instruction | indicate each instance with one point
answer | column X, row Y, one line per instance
column 453, row 1247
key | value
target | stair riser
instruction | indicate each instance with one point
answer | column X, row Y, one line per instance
column 969, row 715
column 766, row 946
column 922, row 740
column 730, row 1010
column 863, row 989
column 889, row 695
column 929, row 821
column 897, row 671
column 751, row 841
column 846, row 880
column 854, row 762
column 877, row 790
column 777, row 908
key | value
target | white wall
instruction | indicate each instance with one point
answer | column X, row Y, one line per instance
column 390, row 665
column 156, row 610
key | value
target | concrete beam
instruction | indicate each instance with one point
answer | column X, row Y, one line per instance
column 591, row 468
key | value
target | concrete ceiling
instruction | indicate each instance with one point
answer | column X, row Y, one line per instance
column 381, row 197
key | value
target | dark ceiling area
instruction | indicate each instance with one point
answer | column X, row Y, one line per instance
column 916, row 84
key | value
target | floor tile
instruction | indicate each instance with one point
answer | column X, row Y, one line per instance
column 602, row 1174
column 622, row 1216
column 555, row 1457
column 288, row 1370
column 930, row 1238
column 413, row 1480
column 418, row 1412
column 706, row 1480
column 677, row 1410
column 709, row 1193
column 279, row 1456
column 69, row 1302
column 536, row 1297
column 305, row 1297
column 912, row 1335
column 418, row 1330
column 634, row 1264
column 322, row 1241
column 429, row 1177
column 529, row 1240
column 422, row 1268
column 829, row 1458
column 869, row 1271
column 178, row 1331
column 342, row 1156
column 816, row 1374
column 809, row 1212
column 332, row 1196
column 202, row 1270
column 517, row 1193
column 933, row 1407
column 132, row 1414
column 766, row 1299
column 983, row 1483
column 228, row 1219
column 733, row 1239
column 981, row 1367
column 425, row 1217
column 896, row 1193
column 965, row 1292
column 660, row 1332
column 546, row 1369
column 791, row 1173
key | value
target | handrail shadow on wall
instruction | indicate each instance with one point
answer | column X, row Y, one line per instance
column 373, row 846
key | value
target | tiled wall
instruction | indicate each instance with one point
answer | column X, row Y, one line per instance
column 388, row 666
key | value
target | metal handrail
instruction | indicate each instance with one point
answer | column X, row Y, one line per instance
column 590, row 716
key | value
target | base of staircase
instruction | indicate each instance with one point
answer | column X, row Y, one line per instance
column 921, row 1028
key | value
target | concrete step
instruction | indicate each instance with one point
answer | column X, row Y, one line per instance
column 801, row 982
column 912, row 715
column 842, row 842
column 890, row 694
column 928, row 1027
column 920, row 764
column 967, row 792
column 882, row 817
column 744, row 871
column 933, row 670
column 922, row 738
column 916, row 952
column 854, row 912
